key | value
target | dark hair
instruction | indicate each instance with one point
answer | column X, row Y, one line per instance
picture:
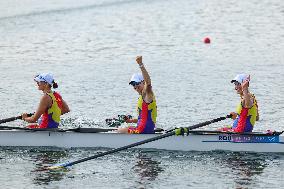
column 54, row 85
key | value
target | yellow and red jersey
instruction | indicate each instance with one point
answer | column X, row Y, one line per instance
column 246, row 117
column 147, row 114
column 51, row 117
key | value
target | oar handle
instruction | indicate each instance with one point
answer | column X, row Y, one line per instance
column 13, row 118
column 209, row 122
column 205, row 123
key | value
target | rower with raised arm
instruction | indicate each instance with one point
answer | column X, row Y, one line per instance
column 146, row 105
column 51, row 105
column 247, row 110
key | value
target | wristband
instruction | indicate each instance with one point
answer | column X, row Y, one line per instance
column 141, row 65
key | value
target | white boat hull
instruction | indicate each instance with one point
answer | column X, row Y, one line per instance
column 192, row 142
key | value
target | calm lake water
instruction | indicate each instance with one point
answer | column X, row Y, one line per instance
column 90, row 47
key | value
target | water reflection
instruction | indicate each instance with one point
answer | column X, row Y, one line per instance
column 146, row 168
column 44, row 158
column 245, row 166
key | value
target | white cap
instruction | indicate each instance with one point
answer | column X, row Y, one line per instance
column 137, row 78
column 46, row 77
column 240, row 78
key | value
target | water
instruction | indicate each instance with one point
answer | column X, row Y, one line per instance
column 91, row 46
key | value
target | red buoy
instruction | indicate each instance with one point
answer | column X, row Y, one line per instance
column 207, row 40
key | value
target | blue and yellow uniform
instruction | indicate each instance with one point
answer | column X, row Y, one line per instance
column 147, row 114
column 51, row 117
column 246, row 117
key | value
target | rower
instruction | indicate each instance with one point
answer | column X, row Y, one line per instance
column 51, row 105
column 247, row 110
column 146, row 106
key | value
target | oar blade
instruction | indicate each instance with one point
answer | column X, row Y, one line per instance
column 59, row 166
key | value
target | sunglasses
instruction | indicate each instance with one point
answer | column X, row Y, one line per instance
column 237, row 83
column 135, row 84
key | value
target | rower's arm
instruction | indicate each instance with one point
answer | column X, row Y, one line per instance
column 148, row 86
column 45, row 102
column 65, row 108
column 257, row 113
column 248, row 101
column 247, row 98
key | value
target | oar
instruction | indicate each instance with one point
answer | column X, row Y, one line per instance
column 67, row 164
column 13, row 118
column 204, row 123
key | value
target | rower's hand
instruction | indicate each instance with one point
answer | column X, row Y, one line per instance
column 24, row 116
column 245, row 84
column 139, row 60
column 234, row 115
column 127, row 120
column 226, row 129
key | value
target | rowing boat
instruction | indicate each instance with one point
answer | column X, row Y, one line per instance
column 197, row 140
